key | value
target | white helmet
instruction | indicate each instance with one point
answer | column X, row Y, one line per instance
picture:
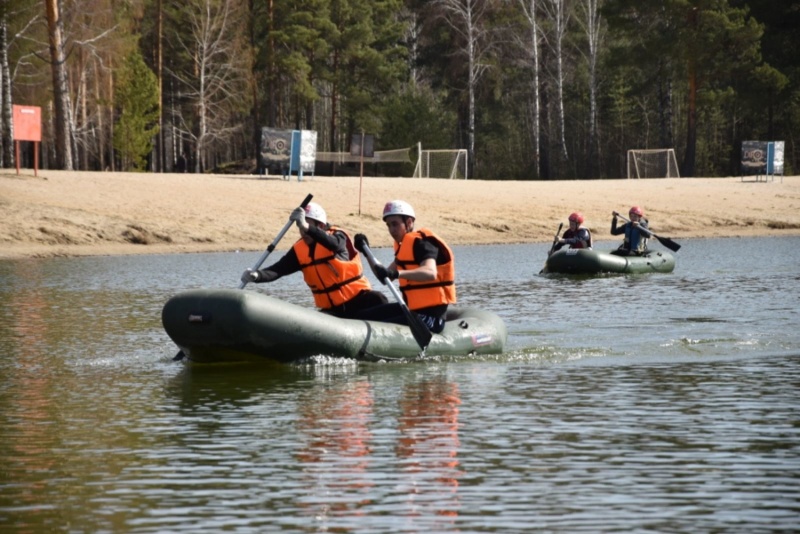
column 315, row 211
column 398, row 207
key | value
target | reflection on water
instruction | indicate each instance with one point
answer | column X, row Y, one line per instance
column 623, row 403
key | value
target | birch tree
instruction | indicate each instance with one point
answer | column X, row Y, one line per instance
column 21, row 49
column 214, row 77
column 558, row 15
column 6, row 125
column 61, row 94
column 529, row 9
column 591, row 22
column 467, row 18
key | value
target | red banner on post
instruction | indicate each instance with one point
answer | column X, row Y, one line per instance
column 27, row 127
column 27, row 123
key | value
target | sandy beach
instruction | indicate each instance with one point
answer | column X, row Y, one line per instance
column 60, row 213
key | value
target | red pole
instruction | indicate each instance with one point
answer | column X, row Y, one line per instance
column 361, row 180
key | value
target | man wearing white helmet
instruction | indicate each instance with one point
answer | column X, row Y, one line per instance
column 424, row 265
column 330, row 265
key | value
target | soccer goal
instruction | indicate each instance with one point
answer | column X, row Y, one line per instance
column 441, row 164
column 653, row 163
column 398, row 155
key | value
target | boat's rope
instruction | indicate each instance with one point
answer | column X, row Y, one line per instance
column 362, row 352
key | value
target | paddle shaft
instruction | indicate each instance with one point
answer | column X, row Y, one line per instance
column 179, row 356
column 555, row 239
column 667, row 242
column 277, row 240
column 419, row 329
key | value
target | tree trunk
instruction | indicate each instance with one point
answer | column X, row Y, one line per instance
column 334, row 101
column 465, row 17
column 160, row 151
column 472, row 83
column 99, row 111
column 63, row 141
column 111, row 159
column 83, row 153
column 545, row 171
column 691, row 124
column 531, row 16
column 271, row 87
column 593, row 23
column 7, row 125
column 560, row 28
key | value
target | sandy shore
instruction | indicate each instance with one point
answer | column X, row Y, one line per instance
column 90, row 213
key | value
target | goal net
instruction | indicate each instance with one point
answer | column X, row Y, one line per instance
column 441, row 164
column 399, row 155
column 653, row 163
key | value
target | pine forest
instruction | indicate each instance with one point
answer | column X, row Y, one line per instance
column 532, row 89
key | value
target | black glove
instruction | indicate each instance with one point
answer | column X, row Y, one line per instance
column 383, row 273
column 250, row 276
column 360, row 241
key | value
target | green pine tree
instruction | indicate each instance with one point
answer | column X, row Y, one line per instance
column 137, row 112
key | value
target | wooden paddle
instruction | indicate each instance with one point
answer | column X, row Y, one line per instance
column 419, row 329
column 263, row 257
column 555, row 239
column 553, row 248
column 667, row 242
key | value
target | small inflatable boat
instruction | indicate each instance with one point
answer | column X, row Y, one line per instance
column 590, row 261
column 230, row 325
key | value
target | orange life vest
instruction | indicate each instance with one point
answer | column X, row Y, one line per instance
column 420, row 295
column 332, row 281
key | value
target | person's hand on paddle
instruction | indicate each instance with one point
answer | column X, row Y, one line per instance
column 258, row 276
column 249, row 275
column 384, row 273
column 298, row 216
column 360, row 240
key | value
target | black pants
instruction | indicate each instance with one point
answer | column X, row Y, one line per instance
column 363, row 301
column 433, row 317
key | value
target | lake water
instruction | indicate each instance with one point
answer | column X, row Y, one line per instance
column 651, row 403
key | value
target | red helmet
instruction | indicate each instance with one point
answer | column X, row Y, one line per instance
column 576, row 217
column 636, row 210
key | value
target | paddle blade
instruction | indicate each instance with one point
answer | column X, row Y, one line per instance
column 669, row 243
column 418, row 328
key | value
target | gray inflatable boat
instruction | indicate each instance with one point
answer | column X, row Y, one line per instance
column 231, row 325
column 590, row 261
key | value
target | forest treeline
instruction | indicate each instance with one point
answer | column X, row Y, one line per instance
column 533, row 89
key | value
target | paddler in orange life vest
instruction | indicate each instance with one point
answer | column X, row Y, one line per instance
column 330, row 264
column 424, row 265
column 576, row 236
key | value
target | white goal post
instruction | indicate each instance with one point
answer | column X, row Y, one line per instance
column 653, row 163
column 441, row 164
